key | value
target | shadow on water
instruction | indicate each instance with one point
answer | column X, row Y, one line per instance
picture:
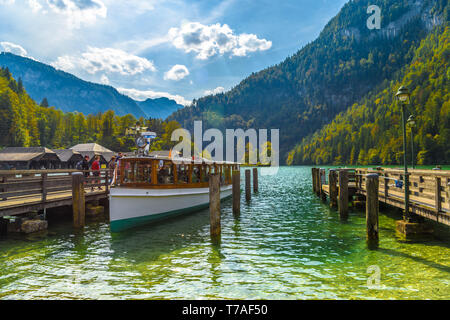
column 146, row 243
column 415, row 258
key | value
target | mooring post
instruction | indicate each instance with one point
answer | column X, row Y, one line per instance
column 78, row 199
column 322, row 177
column 317, row 178
column 316, row 181
column 372, row 207
column 343, row 194
column 333, row 190
column 248, row 195
column 313, row 175
column 255, row 180
column 236, row 193
column 214, row 206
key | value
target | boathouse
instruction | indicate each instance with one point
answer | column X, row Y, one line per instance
column 94, row 149
column 22, row 158
column 68, row 158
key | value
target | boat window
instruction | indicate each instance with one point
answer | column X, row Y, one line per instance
column 183, row 173
column 205, row 173
column 165, row 172
column 127, row 171
column 143, row 172
column 136, row 171
column 196, row 173
column 225, row 173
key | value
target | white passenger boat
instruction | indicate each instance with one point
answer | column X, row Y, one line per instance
column 147, row 188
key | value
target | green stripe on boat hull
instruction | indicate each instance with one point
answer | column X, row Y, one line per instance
column 120, row 225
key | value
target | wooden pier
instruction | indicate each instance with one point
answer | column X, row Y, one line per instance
column 25, row 191
column 429, row 190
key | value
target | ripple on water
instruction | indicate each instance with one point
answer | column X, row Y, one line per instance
column 286, row 244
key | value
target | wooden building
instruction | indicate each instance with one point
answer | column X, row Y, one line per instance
column 22, row 158
column 68, row 158
column 92, row 150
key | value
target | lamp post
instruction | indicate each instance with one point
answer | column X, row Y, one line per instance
column 403, row 96
column 411, row 124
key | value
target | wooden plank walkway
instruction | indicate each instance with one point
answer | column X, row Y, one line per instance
column 429, row 190
column 25, row 191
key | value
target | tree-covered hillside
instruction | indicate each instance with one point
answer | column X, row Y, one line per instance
column 69, row 93
column 370, row 132
column 25, row 123
column 306, row 91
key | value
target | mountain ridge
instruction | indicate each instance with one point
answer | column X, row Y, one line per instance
column 306, row 90
column 70, row 93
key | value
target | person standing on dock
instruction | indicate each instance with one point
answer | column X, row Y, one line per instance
column 84, row 166
column 96, row 170
column 112, row 167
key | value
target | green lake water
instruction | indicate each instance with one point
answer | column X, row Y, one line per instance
column 286, row 244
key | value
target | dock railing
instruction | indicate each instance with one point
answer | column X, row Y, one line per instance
column 429, row 190
column 23, row 184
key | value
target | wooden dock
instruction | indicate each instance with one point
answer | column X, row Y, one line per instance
column 35, row 190
column 429, row 190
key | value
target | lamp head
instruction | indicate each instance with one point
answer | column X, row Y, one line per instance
column 403, row 94
column 411, row 121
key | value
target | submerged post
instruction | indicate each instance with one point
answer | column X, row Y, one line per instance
column 343, row 194
column 248, row 195
column 372, row 207
column 3, row 226
column 78, row 199
column 255, row 180
column 236, row 193
column 214, row 206
column 333, row 190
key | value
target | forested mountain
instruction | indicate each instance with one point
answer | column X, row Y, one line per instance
column 159, row 108
column 24, row 123
column 307, row 90
column 69, row 93
column 370, row 132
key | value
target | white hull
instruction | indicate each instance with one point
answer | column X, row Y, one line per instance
column 131, row 207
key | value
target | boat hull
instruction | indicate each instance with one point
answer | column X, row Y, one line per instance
column 131, row 207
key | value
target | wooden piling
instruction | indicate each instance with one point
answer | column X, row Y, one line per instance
column 332, row 184
column 437, row 196
column 372, row 207
column 214, row 206
column 248, row 195
column 78, row 200
column 317, row 180
column 255, row 180
column 322, row 181
column 236, row 192
column 343, row 194
column 313, row 175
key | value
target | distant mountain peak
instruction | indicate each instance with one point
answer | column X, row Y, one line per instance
column 70, row 93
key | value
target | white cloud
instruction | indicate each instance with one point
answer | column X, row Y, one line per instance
column 13, row 48
column 141, row 95
column 74, row 12
column 78, row 12
column 176, row 73
column 215, row 91
column 208, row 41
column 104, row 79
column 106, row 60
column 34, row 5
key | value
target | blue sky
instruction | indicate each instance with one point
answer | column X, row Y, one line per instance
column 174, row 48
